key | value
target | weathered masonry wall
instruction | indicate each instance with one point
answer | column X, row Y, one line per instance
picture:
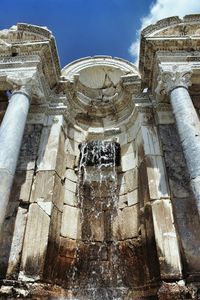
column 35, row 200
column 49, row 202
column 185, row 211
column 104, row 200
column 19, row 202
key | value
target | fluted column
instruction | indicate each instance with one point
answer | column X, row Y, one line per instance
column 175, row 82
column 11, row 133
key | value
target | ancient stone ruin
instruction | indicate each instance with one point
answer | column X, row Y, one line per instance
column 100, row 168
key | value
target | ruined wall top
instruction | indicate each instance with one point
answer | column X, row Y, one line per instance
column 174, row 26
column 174, row 37
column 24, row 40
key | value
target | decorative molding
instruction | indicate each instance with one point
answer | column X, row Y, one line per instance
column 26, row 82
column 170, row 23
column 173, row 76
column 25, row 39
column 162, row 107
column 49, row 110
column 74, row 68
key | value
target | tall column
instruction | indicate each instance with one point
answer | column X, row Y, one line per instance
column 175, row 81
column 11, row 134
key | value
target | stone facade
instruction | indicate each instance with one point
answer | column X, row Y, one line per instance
column 100, row 168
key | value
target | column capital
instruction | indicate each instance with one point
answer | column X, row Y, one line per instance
column 171, row 77
column 25, row 82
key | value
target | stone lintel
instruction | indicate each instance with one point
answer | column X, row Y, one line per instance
column 20, row 72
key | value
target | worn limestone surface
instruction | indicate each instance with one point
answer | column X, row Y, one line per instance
column 185, row 211
column 104, row 202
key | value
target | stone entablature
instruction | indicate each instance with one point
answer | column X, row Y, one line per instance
column 172, row 36
column 24, row 40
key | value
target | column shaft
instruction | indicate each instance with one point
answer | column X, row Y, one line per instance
column 11, row 133
column 188, row 125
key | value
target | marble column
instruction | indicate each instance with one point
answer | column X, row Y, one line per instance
column 11, row 133
column 176, row 82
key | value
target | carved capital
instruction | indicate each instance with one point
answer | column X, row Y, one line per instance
column 25, row 82
column 171, row 77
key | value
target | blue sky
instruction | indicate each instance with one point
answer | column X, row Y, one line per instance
column 92, row 27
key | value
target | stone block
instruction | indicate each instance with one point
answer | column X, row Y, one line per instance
column 29, row 147
column 71, row 223
column 46, row 206
column 150, row 140
column 75, row 135
column 128, row 199
column 188, row 226
column 70, row 185
column 143, row 185
column 132, row 131
column 35, row 244
column 71, row 175
column 53, row 243
column 125, row 224
column 123, row 138
column 128, row 162
column 22, row 186
column 132, row 197
column 122, row 188
column 175, row 161
column 123, row 201
column 60, row 166
column 157, row 181
column 140, row 148
column 93, row 225
column 128, row 148
column 42, row 188
column 148, row 241
column 95, row 190
column 71, row 147
column 121, row 178
column 51, row 150
column 58, row 193
column 47, row 187
column 128, row 181
column 131, row 179
column 17, row 244
column 70, row 161
column 68, row 247
column 55, row 225
column 98, row 251
column 146, row 118
column 102, row 176
column 166, row 239
column 70, row 198
column 165, row 117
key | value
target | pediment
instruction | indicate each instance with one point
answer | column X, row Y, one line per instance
column 174, row 27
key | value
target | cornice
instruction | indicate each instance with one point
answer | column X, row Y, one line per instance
column 27, row 40
column 76, row 66
column 170, row 22
column 171, row 36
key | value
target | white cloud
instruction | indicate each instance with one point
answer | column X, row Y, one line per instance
column 162, row 9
